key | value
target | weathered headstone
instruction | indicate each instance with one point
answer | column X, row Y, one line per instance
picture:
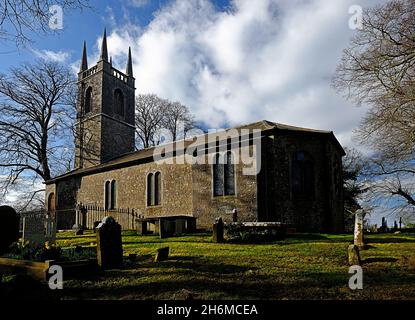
column 50, row 229
column 354, row 255
column 109, row 244
column 358, row 229
column 218, row 229
column 34, row 228
column 234, row 215
column 162, row 254
column 9, row 227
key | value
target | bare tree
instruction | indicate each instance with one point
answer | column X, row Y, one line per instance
column 177, row 120
column 35, row 121
column 378, row 69
column 20, row 18
column 156, row 116
column 149, row 113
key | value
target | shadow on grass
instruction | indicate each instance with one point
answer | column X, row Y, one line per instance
column 190, row 263
column 287, row 285
column 389, row 240
column 373, row 260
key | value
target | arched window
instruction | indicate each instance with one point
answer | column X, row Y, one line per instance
column 157, row 187
column 119, row 102
column 302, row 175
column 51, row 202
column 88, row 100
column 223, row 175
column 217, row 176
column 113, row 194
column 154, row 189
column 150, row 186
column 229, row 175
column 107, row 195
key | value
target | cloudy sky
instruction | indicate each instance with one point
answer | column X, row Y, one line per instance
column 230, row 62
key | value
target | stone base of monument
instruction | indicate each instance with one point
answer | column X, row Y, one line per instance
column 354, row 255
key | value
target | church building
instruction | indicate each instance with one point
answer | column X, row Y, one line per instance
column 265, row 171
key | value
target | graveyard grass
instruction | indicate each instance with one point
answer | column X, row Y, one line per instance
column 303, row 266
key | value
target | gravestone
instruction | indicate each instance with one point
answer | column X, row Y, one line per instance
column 358, row 229
column 354, row 255
column 162, row 254
column 109, row 243
column 34, row 228
column 234, row 215
column 50, row 229
column 218, row 228
column 9, row 227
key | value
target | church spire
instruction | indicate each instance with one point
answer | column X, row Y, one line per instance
column 104, row 50
column 84, row 63
column 129, row 69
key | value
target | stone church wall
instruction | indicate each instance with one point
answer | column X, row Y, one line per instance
column 176, row 189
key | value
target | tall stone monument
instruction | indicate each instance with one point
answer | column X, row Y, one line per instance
column 358, row 229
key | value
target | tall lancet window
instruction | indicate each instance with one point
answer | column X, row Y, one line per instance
column 88, row 100
column 229, row 175
column 107, row 195
column 302, row 175
column 223, row 175
column 119, row 102
column 113, row 194
column 154, row 189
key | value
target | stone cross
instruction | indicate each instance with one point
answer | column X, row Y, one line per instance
column 109, row 243
column 358, row 229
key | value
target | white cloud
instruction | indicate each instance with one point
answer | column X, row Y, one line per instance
column 262, row 59
column 59, row 56
column 138, row 3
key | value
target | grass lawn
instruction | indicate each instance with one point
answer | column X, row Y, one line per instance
column 304, row 266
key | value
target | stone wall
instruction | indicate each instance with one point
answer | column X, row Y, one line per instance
column 187, row 189
column 207, row 207
column 176, row 189
column 323, row 210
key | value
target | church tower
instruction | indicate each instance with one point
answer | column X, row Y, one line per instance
column 105, row 127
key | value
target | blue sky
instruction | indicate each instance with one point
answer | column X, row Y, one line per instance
column 87, row 25
column 230, row 62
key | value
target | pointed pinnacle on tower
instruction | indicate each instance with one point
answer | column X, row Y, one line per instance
column 84, row 62
column 104, row 50
column 129, row 69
